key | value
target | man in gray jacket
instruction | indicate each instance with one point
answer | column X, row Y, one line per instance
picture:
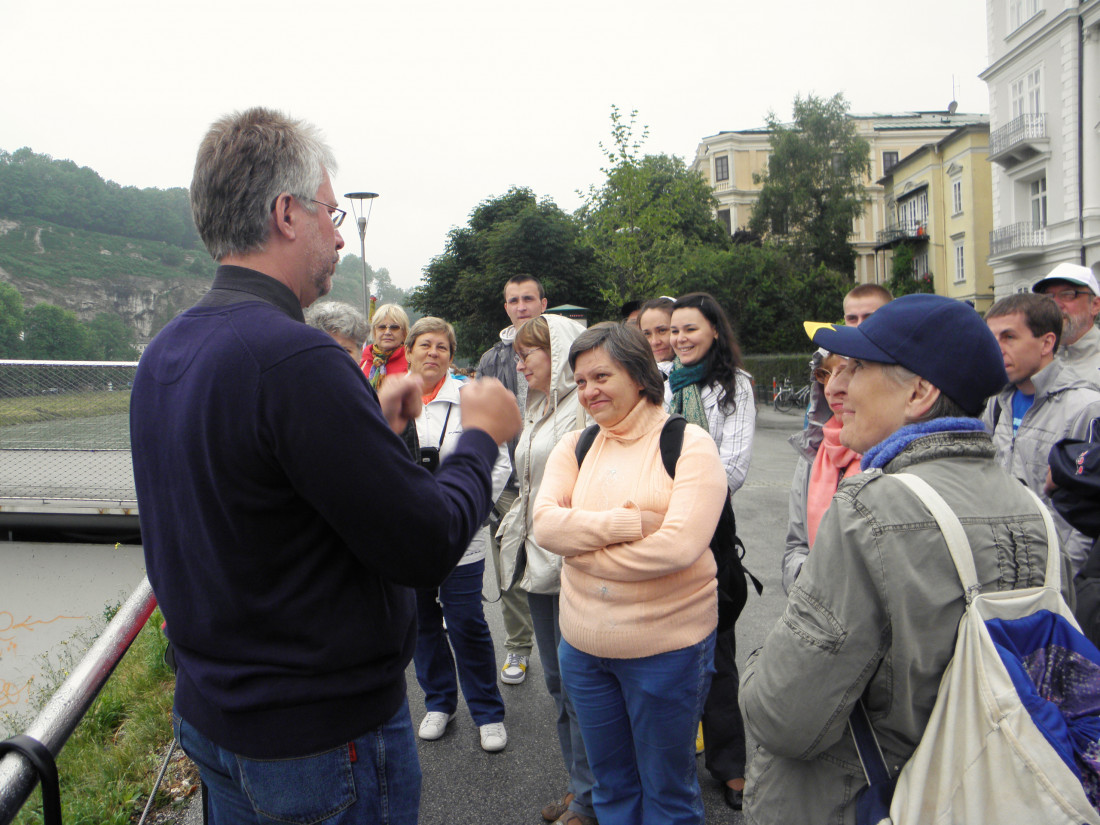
column 524, row 299
column 1044, row 402
column 875, row 610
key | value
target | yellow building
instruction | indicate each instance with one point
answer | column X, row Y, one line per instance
column 728, row 161
column 939, row 201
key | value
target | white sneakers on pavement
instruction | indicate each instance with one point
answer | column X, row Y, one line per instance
column 434, row 724
column 493, row 737
column 514, row 670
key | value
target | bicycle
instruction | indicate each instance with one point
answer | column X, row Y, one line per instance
column 788, row 398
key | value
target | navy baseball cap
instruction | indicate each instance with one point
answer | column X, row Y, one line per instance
column 942, row 340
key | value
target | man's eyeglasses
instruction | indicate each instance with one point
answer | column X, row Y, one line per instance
column 337, row 214
column 1067, row 294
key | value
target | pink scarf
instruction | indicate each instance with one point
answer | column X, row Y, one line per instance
column 834, row 461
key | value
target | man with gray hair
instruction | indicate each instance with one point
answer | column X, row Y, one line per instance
column 348, row 326
column 1074, row 289
column 288, row 602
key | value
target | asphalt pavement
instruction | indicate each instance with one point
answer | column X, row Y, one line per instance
column 463, row 784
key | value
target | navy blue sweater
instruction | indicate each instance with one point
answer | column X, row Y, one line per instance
column 283, row 523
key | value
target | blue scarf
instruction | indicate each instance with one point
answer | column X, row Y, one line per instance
column 887, row 450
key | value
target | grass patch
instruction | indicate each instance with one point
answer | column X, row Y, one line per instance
column 35, row 408
column 109, row 765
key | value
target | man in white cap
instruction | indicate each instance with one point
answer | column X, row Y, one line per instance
column 1074, row 289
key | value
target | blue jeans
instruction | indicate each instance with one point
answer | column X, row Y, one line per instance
column 375, row 778
column 459, row 602
column 544, row 616
column 639, row 718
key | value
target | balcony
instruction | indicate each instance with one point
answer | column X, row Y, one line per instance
column 1017, row 240
column 1019, row 140
column 898, row 232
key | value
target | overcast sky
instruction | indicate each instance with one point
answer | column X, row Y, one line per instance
column 438, row 105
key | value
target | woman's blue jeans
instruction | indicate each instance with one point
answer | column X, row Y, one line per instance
column 639, row 718
column 458, row 601
column 375, row 778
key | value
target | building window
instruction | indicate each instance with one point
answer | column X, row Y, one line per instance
column 1027, row 94
column 724, row 217
column 913, row 212
column 1038, row 197
column 889, row 161
column 722, row 168
column 1020, row 11
column 920, row 264
column 960, row 263
column 957, row 196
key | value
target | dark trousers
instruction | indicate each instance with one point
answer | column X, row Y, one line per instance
column 723, row 727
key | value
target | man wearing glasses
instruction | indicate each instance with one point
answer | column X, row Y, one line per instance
column 1075, row 290
column 288, row 603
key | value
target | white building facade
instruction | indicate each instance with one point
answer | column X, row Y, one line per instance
column 1044, row 145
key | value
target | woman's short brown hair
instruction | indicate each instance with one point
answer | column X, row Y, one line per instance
column 629, row 349
column 535, row 333
column 430, row 323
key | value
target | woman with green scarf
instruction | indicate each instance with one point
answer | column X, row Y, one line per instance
column 708, row 387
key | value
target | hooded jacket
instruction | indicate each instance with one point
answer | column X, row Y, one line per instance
column 1065, row 405
column 546, row 419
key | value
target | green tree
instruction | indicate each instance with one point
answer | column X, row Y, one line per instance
column 515, row 233
column 813, row 187
column 647, row 218
column 11, row 321
column 112, row 339
column 54, row 334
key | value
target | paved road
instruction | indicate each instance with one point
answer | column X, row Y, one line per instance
column 462, row 784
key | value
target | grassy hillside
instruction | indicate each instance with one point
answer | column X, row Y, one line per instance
column 37, row 250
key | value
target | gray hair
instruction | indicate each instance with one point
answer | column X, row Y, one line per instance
column 629, row 349
column 341, row 319
column 245, row 161
column 428, row 324
column 942, row 407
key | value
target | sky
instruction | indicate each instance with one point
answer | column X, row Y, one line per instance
column 438, row 106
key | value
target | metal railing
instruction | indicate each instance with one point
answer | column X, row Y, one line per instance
column 1016, row 236
column 1018, row 130
column 59, row 718
column 907, row 230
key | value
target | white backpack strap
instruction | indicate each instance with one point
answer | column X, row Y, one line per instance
column 952, row 530
column 1054, row 548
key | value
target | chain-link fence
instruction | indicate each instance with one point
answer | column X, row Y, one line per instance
column 65, row 434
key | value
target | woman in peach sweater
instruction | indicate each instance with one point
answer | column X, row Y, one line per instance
column 638, row 594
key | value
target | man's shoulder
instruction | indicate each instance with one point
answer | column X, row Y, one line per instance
column 491, row 359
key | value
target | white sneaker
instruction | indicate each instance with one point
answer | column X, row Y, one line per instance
column 514, row 670
column 434, row 724
column 493, row 737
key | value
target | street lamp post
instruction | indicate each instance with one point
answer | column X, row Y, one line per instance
column 362, row 217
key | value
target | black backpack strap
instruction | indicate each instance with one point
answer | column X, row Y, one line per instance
column 672, row 442
column 584, row 443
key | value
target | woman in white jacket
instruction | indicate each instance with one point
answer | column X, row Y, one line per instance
column 553, row 409
column 430, row 347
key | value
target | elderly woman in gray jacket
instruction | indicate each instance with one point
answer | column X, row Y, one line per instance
column 875, row 610
column 553, row 409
